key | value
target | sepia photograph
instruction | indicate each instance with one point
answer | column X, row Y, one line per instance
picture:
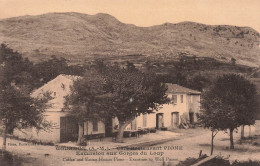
column 129, row 82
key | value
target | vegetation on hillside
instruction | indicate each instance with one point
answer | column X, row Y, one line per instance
column 77, row 37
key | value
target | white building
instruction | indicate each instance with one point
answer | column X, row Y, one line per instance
column 183, row 108
column 64, row 128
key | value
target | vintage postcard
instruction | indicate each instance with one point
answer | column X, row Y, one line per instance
column 133, row 82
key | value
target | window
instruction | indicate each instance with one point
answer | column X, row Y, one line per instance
column 174, row 99
column 95, row 124
column 54, row 93
column 144, row 120
column 181, row 98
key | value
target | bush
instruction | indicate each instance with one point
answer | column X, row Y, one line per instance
column 191, row 161
column 219, row 161
column 246, row 163
column 7, row 159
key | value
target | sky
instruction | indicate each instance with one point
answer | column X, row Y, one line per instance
column 146, row 12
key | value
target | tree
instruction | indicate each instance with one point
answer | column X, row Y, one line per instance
column 15, row 69
column 115, row 92
column 17, row 108
column 48, row 70
column 132, row 93
column 86, row 99
column 229, row 103
column 198, row 82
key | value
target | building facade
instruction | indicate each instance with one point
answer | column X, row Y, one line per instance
column 183, row 109
column 64, row 128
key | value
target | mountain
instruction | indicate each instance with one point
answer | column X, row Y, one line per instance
column 78, row 36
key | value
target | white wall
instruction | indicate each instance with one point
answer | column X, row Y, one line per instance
column 139, row 122
column 50, row 136
column 151, row 122
column 180, row 107
column 249, row 131
column 59, row 87
column 88, row 128
column 257, row 127
column 190, row 103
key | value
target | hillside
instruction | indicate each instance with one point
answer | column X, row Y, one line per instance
column 78, row 37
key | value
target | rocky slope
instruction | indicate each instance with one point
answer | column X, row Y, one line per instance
column 78, row 36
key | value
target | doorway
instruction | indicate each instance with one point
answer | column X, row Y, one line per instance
column 191, row 117
column 68, row 129
column 159, row 120
column 108, row 127
column 175, row 119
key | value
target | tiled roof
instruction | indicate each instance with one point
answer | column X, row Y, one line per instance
column 174, row 88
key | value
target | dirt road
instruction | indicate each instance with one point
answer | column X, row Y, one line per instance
column 187, row 145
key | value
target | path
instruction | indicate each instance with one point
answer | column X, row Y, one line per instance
column 187, row 145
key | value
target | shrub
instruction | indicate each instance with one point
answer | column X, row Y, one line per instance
column 218, row 161
column 7, row 159
column 246, row 163
column 191, row 161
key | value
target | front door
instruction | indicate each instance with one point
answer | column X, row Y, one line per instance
column 159, row 120
column 68, row 129
column 175, row 119
column 191, row 117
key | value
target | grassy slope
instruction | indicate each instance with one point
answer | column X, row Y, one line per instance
column 78, row 36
